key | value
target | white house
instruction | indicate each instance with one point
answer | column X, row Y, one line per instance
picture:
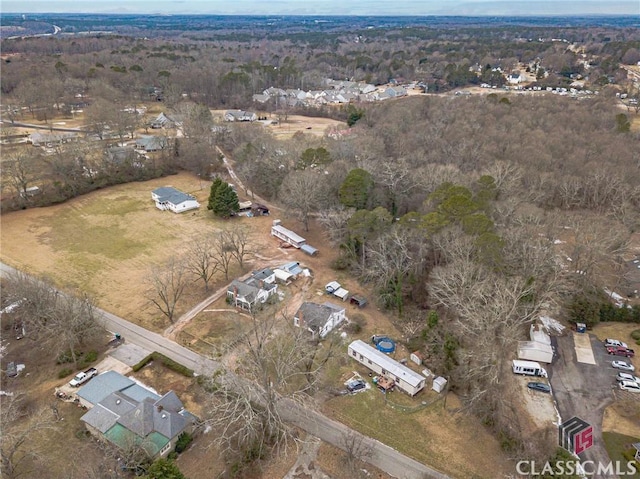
column 515, row 78
column 169, row 198
column 407, row 380
column 249, row 293
column 319, row 319
column 240, row 115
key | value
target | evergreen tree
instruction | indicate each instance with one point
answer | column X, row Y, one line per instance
column 164, row 469
column 225, row 201
column 355, row 189
column 217, row 183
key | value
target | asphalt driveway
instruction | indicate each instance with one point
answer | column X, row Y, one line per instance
column 584, row 390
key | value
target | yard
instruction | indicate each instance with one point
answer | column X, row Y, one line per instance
column 107, row 242
column 437, row 435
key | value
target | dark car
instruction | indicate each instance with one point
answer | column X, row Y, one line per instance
column 356, row 385
column 12, row 370
column 542, row 387
column 621, row 351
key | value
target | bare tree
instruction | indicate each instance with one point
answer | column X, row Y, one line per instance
column 357, row 450
column 167, row 286
column 201, row 260
column 62, row 322
column 22, row 170
column 70, row 324
column 304, row 192
column 239, row 242
column 223, row 252
column 21, row 430
column 279, row 364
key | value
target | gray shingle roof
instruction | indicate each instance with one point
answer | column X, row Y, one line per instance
column 168, row 194
column 316, row 315
column 102, row 385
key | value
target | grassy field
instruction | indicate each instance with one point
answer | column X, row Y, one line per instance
column 616, row 444
column 107, row 242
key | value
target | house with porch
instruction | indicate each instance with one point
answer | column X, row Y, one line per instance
column 125, row 413
column 251, row 292
column 319, row 319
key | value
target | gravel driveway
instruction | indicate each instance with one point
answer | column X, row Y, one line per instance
column 584, row 390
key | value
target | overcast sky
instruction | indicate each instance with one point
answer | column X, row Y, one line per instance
column 329, row 7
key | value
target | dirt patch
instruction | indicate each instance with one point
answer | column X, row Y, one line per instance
column 539, row 405
column 284, row 129
column 623, row 417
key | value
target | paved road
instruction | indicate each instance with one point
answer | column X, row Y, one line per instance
column 584, row 390
column 316, row 424
column 41, row 127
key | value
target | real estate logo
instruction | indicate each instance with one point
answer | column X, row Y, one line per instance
column 576, row 435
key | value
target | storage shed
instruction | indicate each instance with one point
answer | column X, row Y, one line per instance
column 439, row 384
column 407, row 380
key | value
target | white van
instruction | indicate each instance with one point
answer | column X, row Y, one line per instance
column 528, row 368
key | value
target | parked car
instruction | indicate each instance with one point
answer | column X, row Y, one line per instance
column 356, row 385
column 623, row 365
column 627, row 377
column 81, row 378
column 632, row 386
column 542, row 387
column 12, row 370
column 621, row 351
column 615, row 343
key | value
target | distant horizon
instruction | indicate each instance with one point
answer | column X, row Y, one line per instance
column 337, row 8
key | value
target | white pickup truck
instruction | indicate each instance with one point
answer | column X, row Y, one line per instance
column 83, row 377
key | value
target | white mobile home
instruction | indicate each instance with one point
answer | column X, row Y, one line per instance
column 405, row 379
column 286, row 235
column 528, row 368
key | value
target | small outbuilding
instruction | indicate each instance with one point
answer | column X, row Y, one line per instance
column 439, row 384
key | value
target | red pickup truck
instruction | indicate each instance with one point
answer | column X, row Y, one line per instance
column 621, row 351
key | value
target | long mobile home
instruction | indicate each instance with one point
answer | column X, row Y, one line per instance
column 286, row 235
column 405, row 379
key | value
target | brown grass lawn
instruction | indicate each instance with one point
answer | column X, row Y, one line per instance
column 107, row 242
column 451, row 442
column 309, row 125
